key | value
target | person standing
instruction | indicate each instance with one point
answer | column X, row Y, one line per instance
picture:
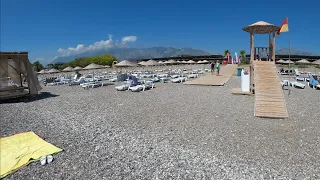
column 212, row 67
column 218, row 67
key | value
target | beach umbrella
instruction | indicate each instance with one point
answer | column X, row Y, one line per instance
column 53, row 71
column 152, row 62
column 68, row 69
column 280, row 61
column 42, row 72
column 191, row 62
column 142, row 63
column 77, row 68
column 125, row 63
column 200, row 62
column 303, row 61
column 205, row 61
column 288, row 62
column 93, row 66
column 316, row 63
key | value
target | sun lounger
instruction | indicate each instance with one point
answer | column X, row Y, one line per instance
column 297, row 84
column 192, row 75
column 314, row 83
column 175, row 76
column 122, row 87
column 298, row 78
column 92, row 85
column 113, row 79
column 179, row 80
column 136, row 88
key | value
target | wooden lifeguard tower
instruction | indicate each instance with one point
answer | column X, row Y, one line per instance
column 264, row 80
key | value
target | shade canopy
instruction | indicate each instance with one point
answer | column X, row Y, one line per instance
column 316, row 62
column 77, row 68
column 42, row 72
column 125, row 63
column 288, row 62
column 68, row 69
column 191, row 62
column 205, row 61
column 200, row 62
column 261, row 27
column 171, row 61
column 280, row 61
column 152, row 62
column 303, row 61
column 142, row 63
column 53, row 71
column 93, row 66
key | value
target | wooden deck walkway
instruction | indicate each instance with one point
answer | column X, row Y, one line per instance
column 269, row 100
column 212, row 80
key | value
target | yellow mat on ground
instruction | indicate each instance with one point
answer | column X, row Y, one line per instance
column 19, row 150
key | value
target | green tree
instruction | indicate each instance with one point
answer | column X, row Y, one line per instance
column 226, row 52
column 37, row 66
column 106, row 59
column 243, row 57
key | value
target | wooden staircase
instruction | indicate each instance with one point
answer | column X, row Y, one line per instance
column 269, row 100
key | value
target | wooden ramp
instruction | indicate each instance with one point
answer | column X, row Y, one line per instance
column 269, row 100
column 212, row 80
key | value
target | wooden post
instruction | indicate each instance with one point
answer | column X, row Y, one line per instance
column 274, row 47
column 251, row 47
column 269, row 51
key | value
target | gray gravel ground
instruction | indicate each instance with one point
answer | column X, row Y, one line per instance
column 171, row 132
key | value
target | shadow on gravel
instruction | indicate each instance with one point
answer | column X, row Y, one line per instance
column 26, row 99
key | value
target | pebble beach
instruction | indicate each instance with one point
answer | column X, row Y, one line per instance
column 173, row 131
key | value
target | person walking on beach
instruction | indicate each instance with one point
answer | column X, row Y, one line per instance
column 212, row 67
column 218, row 67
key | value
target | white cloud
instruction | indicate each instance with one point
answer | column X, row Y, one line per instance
column 127, row 39
column 103, row 44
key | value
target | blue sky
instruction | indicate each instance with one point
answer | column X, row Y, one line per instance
column 44, row 26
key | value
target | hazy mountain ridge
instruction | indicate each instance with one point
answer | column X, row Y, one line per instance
column 286, row 51
column 136, row 53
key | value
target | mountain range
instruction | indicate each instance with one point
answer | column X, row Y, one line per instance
column 156, row 52
column 136, row 53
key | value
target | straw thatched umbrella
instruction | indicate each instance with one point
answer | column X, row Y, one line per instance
column 42, row 72
column 280, row 61
column 53, row 71
column 68, row 69
column 303, row 61
column 77, row 68
column 200, row 62
column 152, row 62
column 191, row 62
column 125, row 63
column 205, row 61
column 93, row 66
column 288, row 62
column 316, row 63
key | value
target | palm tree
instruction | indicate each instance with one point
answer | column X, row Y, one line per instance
column 242, row 53
column 226, row 52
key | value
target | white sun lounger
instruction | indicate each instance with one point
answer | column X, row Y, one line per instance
column 122, row 87
column 297, row 85
column 136, row 88
column 179, row 80
column 192, row 75
column 113, row 79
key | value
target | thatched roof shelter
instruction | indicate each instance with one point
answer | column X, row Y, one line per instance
column 53, row 71
column 260, row 27
column 77, row 68
column 303, row 61
column 93, row 66
column 125, row 63
column 68, row 69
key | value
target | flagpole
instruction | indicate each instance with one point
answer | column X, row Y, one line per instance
column 289, row 56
